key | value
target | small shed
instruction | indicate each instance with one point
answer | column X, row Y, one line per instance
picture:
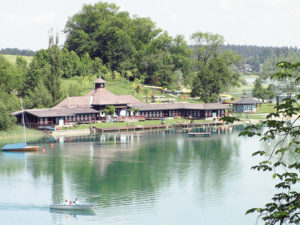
column 245, row 104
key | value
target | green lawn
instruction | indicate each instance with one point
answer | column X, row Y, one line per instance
column 261, row 112
column 12, row 58
column 266, row 108
column 249, row 116
column 120, row 87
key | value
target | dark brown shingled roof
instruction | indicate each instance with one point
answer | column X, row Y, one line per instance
column 99, row 81
column 101, row 96
column 57, row 112
column 245, row 101
column 130, row 99
column 172, row 106
column 74, row 102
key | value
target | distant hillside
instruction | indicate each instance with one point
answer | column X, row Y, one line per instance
column 16, row 51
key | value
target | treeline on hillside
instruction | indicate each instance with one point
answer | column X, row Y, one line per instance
column 259, row 51
column 103, row 41
column 16, row 51
column 257, row 56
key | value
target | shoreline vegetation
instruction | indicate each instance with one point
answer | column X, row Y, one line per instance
column 16, row 134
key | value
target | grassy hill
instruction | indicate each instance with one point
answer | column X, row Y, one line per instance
column 12, row 58
column 83, row 85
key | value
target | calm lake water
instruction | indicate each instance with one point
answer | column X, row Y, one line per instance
column 146, row 179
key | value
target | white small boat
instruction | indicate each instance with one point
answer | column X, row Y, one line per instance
column 72, row 207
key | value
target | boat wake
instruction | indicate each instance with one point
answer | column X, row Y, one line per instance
column 17, row 206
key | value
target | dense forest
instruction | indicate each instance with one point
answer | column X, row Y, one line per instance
column 103, row 41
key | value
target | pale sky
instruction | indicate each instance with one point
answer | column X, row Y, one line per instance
column 25, row 24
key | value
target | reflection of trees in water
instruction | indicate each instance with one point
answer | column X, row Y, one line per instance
column 140, row 171
column 50, row 165
column 216, row 160
column 121, row 173
column 12, row 163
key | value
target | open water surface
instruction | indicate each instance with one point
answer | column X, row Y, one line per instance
column 138, row 179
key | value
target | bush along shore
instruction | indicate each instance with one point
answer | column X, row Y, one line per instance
column 16, row 134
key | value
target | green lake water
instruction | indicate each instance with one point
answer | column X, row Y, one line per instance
column 161, row 178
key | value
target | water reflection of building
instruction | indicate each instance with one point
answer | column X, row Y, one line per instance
column 100, row 150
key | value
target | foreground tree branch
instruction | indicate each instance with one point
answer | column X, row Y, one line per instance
column 282, row 128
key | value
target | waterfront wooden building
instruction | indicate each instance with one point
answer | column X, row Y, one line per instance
column 90, row 108
column 245, row 104
column 186, row 110
column 41, row 118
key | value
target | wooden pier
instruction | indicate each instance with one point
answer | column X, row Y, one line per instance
column 185, row 127
column 132, row 128
column 200, row 134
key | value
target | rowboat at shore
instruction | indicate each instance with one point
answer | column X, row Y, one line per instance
column 19, row 147
column 72, row 207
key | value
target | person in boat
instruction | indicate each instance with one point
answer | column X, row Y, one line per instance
column 70, row 203
column 76, row 202
column 66, row 202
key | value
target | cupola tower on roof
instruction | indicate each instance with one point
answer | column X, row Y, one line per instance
column 99, row 83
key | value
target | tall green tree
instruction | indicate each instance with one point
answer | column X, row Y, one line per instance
column 70, row 63
column 262, row 93
column 213, row 67
column 127, row 45
column 37, row 70
column 6, row 121
column 7, row 75
column 181, row 56
column 207, row 45
column 38, row 97
column 54, row 70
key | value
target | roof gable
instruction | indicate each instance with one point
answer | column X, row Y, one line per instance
column 246, row 100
